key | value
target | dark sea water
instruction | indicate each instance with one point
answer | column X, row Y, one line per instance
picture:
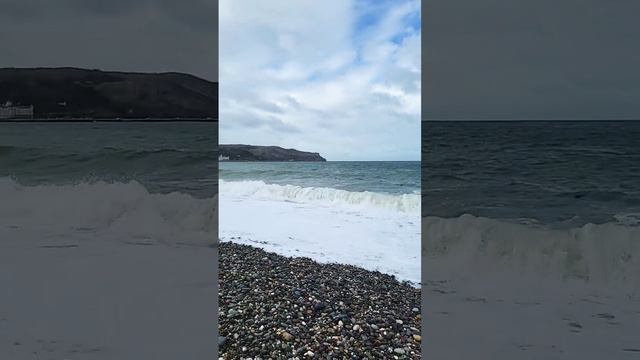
column 554, row 173
column 162, row 157
column 109, row 181
column 390, row 177
column 543, row 201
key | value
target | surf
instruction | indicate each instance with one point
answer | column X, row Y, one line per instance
column 321, row 196
column 114, row 210
column 605, row 254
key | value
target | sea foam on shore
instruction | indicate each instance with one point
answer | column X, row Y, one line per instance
column 371, row 230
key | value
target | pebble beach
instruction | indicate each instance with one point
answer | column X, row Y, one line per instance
column 277, row 307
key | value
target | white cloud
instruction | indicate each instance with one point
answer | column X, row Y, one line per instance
column 309, row 75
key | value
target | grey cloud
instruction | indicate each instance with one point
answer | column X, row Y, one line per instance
column 268, row 106
column 239, row 121
column 293, row 102
column 281, row 126
column 256, row 121
column 542, row 59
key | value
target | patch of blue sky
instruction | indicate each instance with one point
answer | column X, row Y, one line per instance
column 371, row 12
column 368, row 15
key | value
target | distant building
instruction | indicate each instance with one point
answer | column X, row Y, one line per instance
column 10, row 111
column 223, row 158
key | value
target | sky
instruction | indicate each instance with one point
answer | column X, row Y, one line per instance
column 338, row 77
column 124, row 35
column 531, row 59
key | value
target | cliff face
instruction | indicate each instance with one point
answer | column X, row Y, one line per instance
column 266, row 153
column 77, row 93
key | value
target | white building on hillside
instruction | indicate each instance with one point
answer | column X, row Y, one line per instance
column 10, row 111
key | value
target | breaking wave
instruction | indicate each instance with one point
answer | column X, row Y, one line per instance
column 406, row 203
column 115, row 210
column 606, row 254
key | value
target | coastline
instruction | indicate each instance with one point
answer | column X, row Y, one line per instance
column 274, row 306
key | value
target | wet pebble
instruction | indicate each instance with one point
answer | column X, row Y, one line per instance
column 277, row 307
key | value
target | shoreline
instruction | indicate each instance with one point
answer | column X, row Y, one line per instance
column 273, row 306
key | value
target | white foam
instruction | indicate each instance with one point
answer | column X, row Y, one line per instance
column 360, row 200
column 107, row 210
column 360, row 229
column 628, row 219
column 374, row 231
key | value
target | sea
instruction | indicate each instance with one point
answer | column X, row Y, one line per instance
column 155, row 181
column 548, row 200
column 363, row 213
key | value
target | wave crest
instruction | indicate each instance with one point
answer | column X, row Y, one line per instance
column 121, row 210
column 409, row 203
column 605, row 254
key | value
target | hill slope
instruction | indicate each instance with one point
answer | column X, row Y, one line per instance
column 266, row 153
column 76, row 93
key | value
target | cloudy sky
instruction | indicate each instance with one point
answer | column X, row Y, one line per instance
column 531, row 59
column 339, row 77
column 127, row 35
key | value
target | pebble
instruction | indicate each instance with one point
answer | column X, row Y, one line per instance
column 221, row 341
column 321, row 310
